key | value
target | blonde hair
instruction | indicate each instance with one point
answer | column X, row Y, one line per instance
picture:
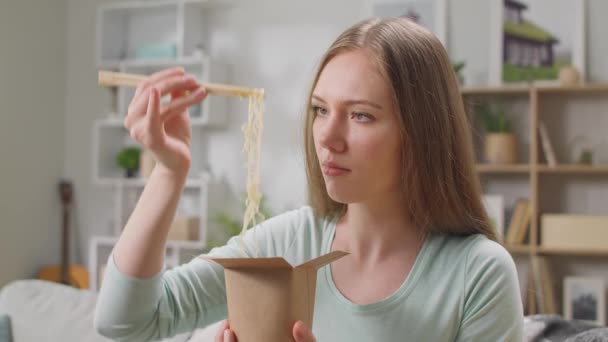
column 438, row 176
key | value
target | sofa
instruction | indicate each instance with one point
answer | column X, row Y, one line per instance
column 43, row 311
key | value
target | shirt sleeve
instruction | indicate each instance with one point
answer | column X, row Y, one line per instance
column 492, row 307
column 186, row 297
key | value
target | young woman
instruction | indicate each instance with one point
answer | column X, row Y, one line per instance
column 391, row 180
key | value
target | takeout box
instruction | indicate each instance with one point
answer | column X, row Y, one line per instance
column 266, row 296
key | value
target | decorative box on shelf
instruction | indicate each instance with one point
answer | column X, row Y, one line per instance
column 574, row 232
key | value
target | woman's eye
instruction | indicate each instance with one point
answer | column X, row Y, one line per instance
column 362, row 117
column 319, row 110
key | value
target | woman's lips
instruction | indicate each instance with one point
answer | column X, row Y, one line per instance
column 331, row 169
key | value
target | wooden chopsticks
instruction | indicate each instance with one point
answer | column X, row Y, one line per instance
column 113, row 79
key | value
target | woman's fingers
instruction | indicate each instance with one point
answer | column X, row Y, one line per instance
column 225, row 334
column 180, row 104
column 229, row 336
column 219, row 337
column 152, row 121
column 174, row 83
column 302, row 333
column 144, row 85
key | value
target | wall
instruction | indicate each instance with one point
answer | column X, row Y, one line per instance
column 32, row 130
column 267, row 43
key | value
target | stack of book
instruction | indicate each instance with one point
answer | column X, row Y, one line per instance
column 540, row 296
column 520, row 223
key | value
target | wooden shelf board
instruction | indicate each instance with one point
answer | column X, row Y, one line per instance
column 582, row 169
column 572, row 252
column 583, row 88
column 495, row 90
column 518, row 249
column 524, row 89
column 496, row 168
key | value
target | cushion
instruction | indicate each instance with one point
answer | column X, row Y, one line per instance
column 44, row 311
column 5, row 328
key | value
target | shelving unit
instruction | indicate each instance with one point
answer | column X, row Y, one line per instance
column 144, row 37
column 532, row 171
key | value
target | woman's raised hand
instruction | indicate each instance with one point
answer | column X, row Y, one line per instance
column 165, row 128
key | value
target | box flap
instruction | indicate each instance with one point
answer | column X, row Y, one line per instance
column 323, row 260
column 235, row 263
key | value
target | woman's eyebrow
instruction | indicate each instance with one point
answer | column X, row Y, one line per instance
column 351, row 102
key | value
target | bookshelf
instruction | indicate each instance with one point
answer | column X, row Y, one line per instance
column 535, row 105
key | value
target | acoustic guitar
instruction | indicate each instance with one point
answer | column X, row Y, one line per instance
column 66, row 273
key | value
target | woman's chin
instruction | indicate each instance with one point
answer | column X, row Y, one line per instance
column 340, row 196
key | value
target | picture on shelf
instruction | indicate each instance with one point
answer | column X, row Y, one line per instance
column 533, row 40
column 429, row 13
column 495, row 208
column 584, row 299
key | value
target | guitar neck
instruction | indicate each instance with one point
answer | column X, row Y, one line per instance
column 66, row 199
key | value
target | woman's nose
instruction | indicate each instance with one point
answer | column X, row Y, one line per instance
column 332, row 132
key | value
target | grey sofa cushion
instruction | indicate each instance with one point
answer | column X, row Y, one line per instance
column 5, row 328
column 554, row 328
column 593, row 335
column 45, row 311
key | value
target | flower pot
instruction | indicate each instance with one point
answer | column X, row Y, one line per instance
column 500, row 148
column 131, row 173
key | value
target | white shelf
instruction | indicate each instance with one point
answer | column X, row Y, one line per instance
column 101, row 248
column 133, row 37
column 174, row 28
column 109, row 137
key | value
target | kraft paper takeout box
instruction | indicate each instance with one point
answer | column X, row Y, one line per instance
column 266, row 296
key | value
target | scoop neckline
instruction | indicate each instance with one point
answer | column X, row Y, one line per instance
column 398, row 296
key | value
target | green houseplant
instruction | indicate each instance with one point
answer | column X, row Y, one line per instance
column 232, row 226
column 458, row 66
column 128, row 159
column 500, row 143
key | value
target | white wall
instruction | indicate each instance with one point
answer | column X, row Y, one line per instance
column 32, row 129
column 269, row 43
column 273, row 44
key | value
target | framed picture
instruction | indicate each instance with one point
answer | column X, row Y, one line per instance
column 531, row 40
column 584, row 299
column 432, row 14
column 495, row 207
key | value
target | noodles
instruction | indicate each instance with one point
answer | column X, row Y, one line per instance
column 252, row 132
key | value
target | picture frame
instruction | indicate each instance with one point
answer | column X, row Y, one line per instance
column 495, row 208
column 585, row 299
column 432, row 14
column 531, row 40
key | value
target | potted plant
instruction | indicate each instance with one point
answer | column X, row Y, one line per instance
column 458, row 66
column 500, row 143
column 128, row 159
column 233, row 226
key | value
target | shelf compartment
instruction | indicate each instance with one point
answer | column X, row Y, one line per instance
column 125, row 30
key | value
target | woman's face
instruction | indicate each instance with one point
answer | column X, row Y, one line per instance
column 355, row 130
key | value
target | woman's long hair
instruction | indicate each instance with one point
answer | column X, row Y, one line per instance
column 439, row 182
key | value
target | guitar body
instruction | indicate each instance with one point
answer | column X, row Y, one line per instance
column 66, row 273
column 77, row 276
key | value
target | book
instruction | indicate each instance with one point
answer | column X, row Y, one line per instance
column 546, row 144
column 524, row 225
column 543, row 283
column 517, row 218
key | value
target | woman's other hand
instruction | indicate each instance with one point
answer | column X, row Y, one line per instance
column 301, row 333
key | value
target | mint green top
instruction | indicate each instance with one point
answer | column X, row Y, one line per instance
column 459, row 289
